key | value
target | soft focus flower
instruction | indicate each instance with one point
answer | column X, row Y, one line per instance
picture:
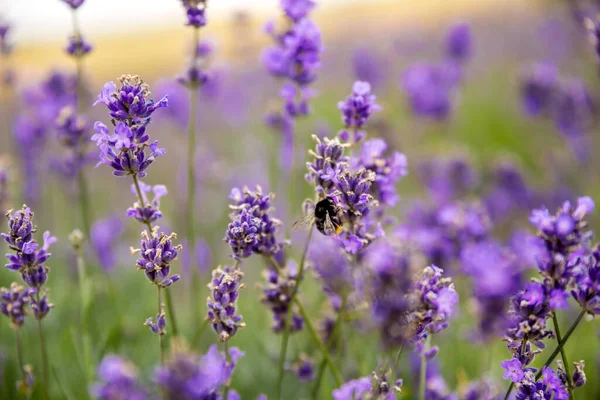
column 365, row 388
column 105, row 235
column 358, row 107
column 459, row 42
column 538, row 87
column 388, row 170
column 118, row 380
column 297, row 55
column 196, row 12
column 277, row 295
column 187, row 377
column 331, row 265
column 297, row 9
column 77, row 46
column 157, row 254
column 74, row 4
column 222, row 307
column 304, row 368
column 252, row 228
column 448, row 179
column 13, row 302
column 433, row 302
column 369, row 67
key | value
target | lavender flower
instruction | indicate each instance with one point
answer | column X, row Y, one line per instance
column 252, row 229
column 459, row 44
column 185, row 377
column 538, row 88
column 585, row 265
column 357, row 108
column 297, row 54
column 130, row 103
column 157, row 254
column 297, row 9
column 28, row 258
column 369, row 67
column 74, row 4
column 71, row 128
column 448, row 179
column 104, row 235
column 388, row 170
column 196, row 12
column 579, row 379
column 328, row 161
column 77, row 46
column 148, row 212
column 13, row 302
column 277, row 295
column 331, row 265
column 548, row 387
column 125, row 150
column 433, row 302
column 365, row 388
column 429, row 89
column 352, row 194
column 118, row 381
column 222, row 308
column 389, row 284
column 304, row 368
column 158, row 326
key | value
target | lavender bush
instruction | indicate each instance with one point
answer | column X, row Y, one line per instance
column 409, row 226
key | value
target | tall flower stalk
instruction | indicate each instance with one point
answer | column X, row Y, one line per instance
column 29, row 260
column 128, row 152
column 193, row 79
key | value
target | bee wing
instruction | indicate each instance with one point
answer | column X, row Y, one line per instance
column 329, row 226
column 304, row 222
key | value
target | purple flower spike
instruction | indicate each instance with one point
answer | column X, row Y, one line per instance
column 77, row 46
column 277, row 295
column 297, row 9
column 459, row 42
column 13, row 302
column 158, row 326
column 358, row 107
column 252, row 230
column 196, row 12
column 327, row 165
column 118, row 380
column 186, row 376
column 222, row 307
column 104, row 236
column 157, row 254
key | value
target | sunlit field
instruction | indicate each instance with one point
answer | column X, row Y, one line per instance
column 299, row 199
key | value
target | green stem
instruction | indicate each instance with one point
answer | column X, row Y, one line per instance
column 564, row 356
column 85, row 300
column 288, row 319
column 423, row 370
column 170, row 307
column 336, row 327
column 20, row 354
column 397, row 360
column 191, row 187
column 311, row 330
column 562, row 342
column 226, row 388
column 160, row 334
column 44, row 354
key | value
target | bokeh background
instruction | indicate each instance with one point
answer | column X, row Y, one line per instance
column 487, row 127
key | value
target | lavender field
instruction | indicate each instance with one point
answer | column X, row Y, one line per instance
column 300, row 199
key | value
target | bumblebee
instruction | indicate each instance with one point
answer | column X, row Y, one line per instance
column 327, row 216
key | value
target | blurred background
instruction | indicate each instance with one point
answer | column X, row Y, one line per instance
column 376, row 40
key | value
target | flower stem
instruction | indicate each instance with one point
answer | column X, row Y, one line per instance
column 226, row 388
column 191, row 187
column 20, row 354
column 44, row 354
column 423, row 370
column 562, row 343
column 160, row 334
column 288, row 319
column 397, row 360
column 564, row 356
column 312, row 331
column 170, row 308
column 336, row 327
column 85, row 300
